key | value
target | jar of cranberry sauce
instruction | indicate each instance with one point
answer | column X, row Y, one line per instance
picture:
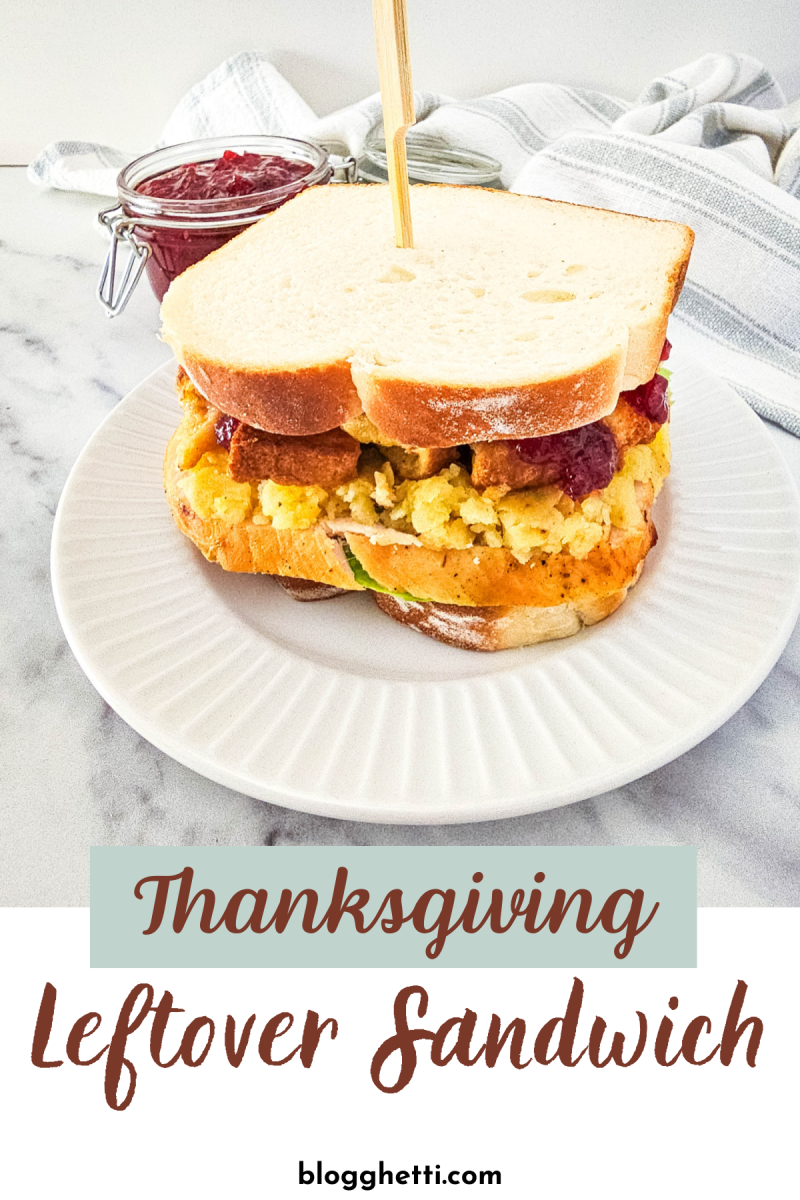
column 179, row 203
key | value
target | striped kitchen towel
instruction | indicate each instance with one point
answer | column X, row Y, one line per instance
column 713, row 144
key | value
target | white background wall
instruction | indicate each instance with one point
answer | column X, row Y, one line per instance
column 112, row 72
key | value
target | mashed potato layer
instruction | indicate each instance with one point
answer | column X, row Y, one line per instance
column 443, row 512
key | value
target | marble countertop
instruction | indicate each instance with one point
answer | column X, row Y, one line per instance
column 75, row 775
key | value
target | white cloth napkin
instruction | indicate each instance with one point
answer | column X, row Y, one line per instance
column 713, row 144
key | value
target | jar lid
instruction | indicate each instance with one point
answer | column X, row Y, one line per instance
column 432, row 160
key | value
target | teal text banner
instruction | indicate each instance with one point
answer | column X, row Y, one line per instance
column 497, row 906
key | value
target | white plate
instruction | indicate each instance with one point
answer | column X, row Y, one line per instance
column 333, row 708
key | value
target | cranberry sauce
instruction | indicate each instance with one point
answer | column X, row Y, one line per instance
column 650, row 399
column 230, row 175
column 586, row 457
column 173, row 250
column 224, row 430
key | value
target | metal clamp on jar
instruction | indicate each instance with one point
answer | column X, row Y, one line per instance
column 164, row 234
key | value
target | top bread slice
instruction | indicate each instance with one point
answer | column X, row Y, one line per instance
column 512, row 316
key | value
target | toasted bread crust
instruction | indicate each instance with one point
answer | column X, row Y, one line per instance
column 499, row 628
column 423, row 415
column 315, row 399
column 258, row 549
column 485, row 577
column 318, row 399
column 308, row 400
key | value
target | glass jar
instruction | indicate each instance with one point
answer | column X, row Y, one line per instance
column 430, row 160
column 165, row 236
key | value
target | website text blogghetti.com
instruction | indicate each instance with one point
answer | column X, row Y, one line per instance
column 351, row 1179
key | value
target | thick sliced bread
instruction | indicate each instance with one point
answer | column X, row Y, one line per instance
column 512, row 317
column 500, row 628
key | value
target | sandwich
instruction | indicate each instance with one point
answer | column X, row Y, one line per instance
column 473, row 431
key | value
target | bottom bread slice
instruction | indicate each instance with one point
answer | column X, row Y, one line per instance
column 501, row 627
column 308, row 590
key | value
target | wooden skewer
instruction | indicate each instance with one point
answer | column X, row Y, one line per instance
column 397, row 98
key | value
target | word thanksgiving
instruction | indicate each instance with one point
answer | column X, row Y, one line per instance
column 434, row 911
column 464, row 1038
